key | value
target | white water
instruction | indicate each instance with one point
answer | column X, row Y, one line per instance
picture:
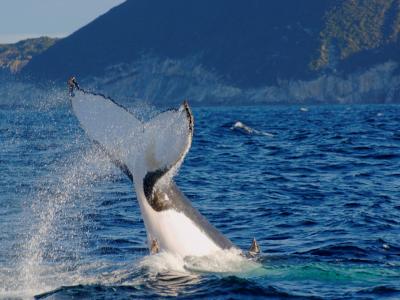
column 50, row 253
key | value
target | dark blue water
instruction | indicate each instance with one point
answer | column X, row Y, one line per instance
column 322, row 197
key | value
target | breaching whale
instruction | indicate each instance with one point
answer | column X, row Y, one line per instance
column 150, row 153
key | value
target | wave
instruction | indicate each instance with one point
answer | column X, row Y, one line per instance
column 165, row 275
column 225, row 273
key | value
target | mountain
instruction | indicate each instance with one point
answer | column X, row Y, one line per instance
column 13, row 57
column 230, row 51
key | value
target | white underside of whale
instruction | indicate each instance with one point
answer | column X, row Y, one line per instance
column 141, row 148
column 176, row 233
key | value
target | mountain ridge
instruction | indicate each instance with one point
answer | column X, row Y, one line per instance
column 235, row 47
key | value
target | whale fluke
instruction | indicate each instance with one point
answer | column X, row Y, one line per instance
column 150, row 154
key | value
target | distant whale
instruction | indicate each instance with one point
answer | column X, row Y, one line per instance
column 243, row 128
column 150, row 153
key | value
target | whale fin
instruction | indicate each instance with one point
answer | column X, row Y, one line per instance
column 254, row 249
column 159, row 144
column 154, row 247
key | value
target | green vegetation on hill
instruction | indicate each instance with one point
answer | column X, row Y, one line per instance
column 13, row 57
column 353, row 26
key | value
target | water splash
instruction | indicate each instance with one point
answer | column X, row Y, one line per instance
column 57, row 215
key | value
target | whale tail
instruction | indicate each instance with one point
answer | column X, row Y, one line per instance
column 159, row 144
column 150, row 153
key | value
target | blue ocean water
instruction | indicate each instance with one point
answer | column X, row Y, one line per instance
column 319, row 188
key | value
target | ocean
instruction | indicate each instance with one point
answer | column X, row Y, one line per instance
column 317, row 186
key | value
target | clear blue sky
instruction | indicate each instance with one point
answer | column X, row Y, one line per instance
column 21, row 19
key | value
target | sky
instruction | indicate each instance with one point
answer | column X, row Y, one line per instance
column 20, row 19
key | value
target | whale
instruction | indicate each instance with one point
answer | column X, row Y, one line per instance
column 150, row 153
column 243, row 128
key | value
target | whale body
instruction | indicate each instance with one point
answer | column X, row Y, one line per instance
column 150, row 154
column 243, row 128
